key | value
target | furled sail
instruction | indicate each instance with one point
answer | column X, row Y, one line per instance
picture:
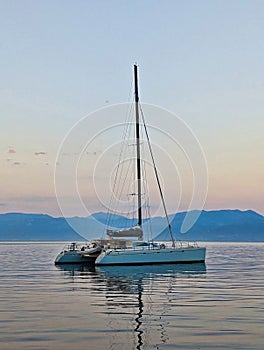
column 135, row 231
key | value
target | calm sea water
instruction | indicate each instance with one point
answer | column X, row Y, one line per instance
column 219, row 305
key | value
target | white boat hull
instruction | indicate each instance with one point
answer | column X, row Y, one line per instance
column 151, row 256
column 72, row 257
column 78, row 253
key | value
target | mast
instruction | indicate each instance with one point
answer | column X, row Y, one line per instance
column 138, row 147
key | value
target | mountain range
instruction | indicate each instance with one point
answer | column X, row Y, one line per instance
column 220, row 225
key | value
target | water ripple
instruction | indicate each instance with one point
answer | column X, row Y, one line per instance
column 217, row 306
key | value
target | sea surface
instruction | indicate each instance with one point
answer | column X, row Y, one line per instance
column 219, row 305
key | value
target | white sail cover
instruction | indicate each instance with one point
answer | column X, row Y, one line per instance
column 135, row 231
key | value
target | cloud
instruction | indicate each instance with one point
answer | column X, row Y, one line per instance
column 93, row 153
column 11, row 150
column 40, row 153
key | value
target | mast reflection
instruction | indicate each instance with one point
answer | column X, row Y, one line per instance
column 139, row 332
column 120, row 286
column 138, row 281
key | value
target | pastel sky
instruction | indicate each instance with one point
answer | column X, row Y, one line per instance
column 62, row 60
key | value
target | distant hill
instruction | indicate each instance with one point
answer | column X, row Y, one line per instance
column 35, row 227
column 220, row 225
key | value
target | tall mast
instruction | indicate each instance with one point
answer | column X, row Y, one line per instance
column 138, row 146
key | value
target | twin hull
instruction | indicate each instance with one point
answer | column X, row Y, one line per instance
column 151, row 256
column 74, row 256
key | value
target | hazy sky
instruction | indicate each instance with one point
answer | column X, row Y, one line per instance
column 62, row 60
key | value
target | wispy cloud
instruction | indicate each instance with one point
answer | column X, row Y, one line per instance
column 11, row 150
column 41, row 153
column 92, row 153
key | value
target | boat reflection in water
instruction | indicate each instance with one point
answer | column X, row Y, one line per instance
column 146, row 283
column 142, row 293
column 76, row 269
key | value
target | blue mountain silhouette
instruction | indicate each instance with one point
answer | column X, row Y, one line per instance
column 219, row 225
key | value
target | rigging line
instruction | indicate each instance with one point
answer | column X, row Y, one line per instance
column 132, row 210
column 123, row 184
column 125, row 131
column 146, row 191
column 157, row 177
column 120, row 186
column 117, row 194
column 149, row 220
column 130, row 92
column 124, row 178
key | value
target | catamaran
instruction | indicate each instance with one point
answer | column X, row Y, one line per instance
column 120, row 248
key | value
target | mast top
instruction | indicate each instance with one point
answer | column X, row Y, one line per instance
column 136, row 83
